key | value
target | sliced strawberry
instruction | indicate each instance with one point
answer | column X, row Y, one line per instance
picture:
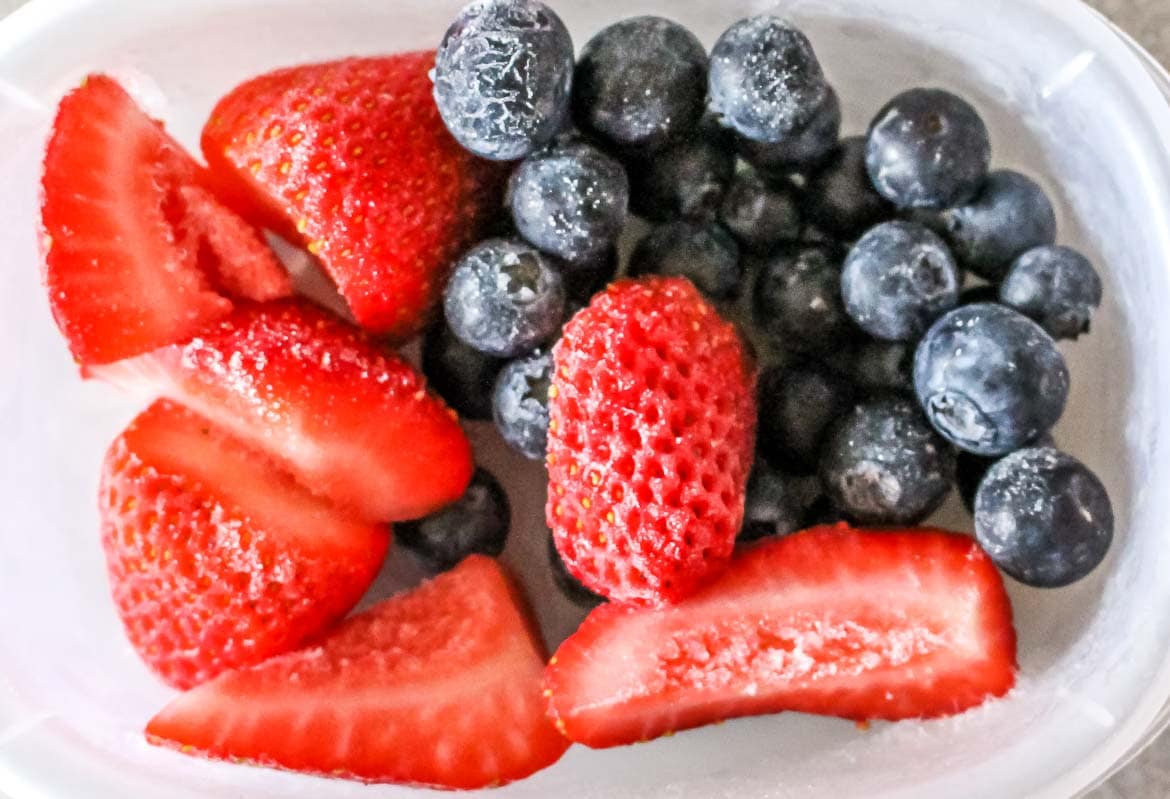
column 137, row 254
column 835, row 621
column 217, row 559
column 348, row 418
column 439, row 687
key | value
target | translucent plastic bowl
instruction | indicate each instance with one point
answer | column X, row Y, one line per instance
column 1067, row 99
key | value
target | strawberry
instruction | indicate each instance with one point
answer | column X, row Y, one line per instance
column 348, row 418
column 217, row 559
column 138, row 254
column 652, row 421
column 439, row 687
column 835, row 621
column 352, row 159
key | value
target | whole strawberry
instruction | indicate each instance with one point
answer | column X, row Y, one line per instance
column 652, row 422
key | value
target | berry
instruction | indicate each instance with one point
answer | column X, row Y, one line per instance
column 1043, row 517
column 990, row 379
column 684, row 181
column 569, row 585
column 898, row 278
column 839, row 196
column 503, row 75
column 640, row 83
column 216, row 558
column 971, row 469
column 476, row 523
column 885, row 366
column 883, row 464
column 802, row 150
column 569, row 200
column 439, row 687
column 504, row 298
column 777, row 503
column 703, row 252
column 463, row 376
column 650, row 441
column 760, row 217
column 928, row 148
column 1057, row 287
column 137, row 254
column 584, row 279
column 765, row 81
column 797, row 406
column 862, row 625
column 520, row 403
column 351, row 159
column 797, row 301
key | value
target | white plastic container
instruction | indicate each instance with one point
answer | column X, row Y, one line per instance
column 1066, row 98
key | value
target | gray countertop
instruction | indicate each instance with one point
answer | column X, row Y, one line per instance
column 1148, row 777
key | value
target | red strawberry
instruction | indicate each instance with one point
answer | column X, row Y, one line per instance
column 348, row 418
column 137, row 253
column 835, row 621
column 352, row 158
column 216, row 559
column 652, row 420
column 438, row 687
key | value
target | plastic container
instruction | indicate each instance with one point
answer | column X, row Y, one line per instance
column 1067, row 99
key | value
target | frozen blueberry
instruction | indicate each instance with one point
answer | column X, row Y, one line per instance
column 687, row 180
column 476, row 523
column 990, row 379
column 765, row 81
column 928, row 149
column 502, row 77
column 703, row 252
column 462, row 375
column 1043, row 517
column 586, row 278
column 898, row 278
column 1055, row 286
column 761, row 217
column 797, row 301
column 569, row 199
column 640, row 83
column 801, row 150
column 520, row 403
column 504, row 298
column 884, row 366
column 797, row 405
column 882, row 464
column 839, row 196
column 972, row 468
column 570, row 586
column 777, row 503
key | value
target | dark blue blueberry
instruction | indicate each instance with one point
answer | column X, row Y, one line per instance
column 928, row 149
column 569, row 200
column 1055, row 286
column 684, row 181
column 759, row 216
column 797, row 301
column 702, row 252
column 584, row 279
column 476, row 523
column 777, row 503
column 569, row 585
column 1043, row 517
column 839, row 196
column 898, row 278
column 990, row 379
column 882, row 464
column 797, row 406
column 462, row 375
column 803, row 149
column 972, row 468
column 502, row 77
column 640, row 83
column 884, row 366
column 504, row 298
column 765, row 82
column 520, row 403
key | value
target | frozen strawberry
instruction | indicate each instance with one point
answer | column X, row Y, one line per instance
column 437, row 687
column 137, row 253
column 352, row 159
column 217, row 559
column 652, row 421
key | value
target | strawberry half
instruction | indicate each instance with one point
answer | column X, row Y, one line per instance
column 348, row 418
column 352, row 159
column 835, row 621
column 216, row 559
column 438, row 687
column 137, row 253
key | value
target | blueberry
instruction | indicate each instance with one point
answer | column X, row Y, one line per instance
column 928, row 148
column 584, row 279
column 797, row 406
column 898, row 278
column 759, row 216
column 885, row 366
column 504, row 298
column 687, row 180
column 569, row 585
column 703, row 252
column 777, row 503
column 640, row 83
column 520, row 403
column 502, row 77
column 1055, row 286
column 797, row 301
column 990, row 379
column 839, row 196
column 765, row 81
column 569, row 199
column 972, row 469
column 1043, row 517
column 803, row 149
column 476, row 523
column 462, row 375
column 882, row 464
